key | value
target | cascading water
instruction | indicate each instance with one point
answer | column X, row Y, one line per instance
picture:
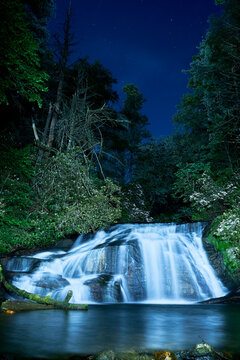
column 158, row 263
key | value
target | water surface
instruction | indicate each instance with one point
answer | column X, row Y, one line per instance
column 119, row 327
column 126, row 263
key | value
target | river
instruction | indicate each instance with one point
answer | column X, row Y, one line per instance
column 119, row 327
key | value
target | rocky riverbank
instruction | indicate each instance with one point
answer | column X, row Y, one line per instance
column 232, row 298
column 202, row 351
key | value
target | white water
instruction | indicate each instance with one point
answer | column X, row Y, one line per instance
column 157, row 263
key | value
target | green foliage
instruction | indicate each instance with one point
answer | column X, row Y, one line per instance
column 19, row 64
column 122, row 137
column 214, row 79
column 183, row 214
column 208, row 197
column 136, row 131
column 219, row 2
column 209, row 116
column 62, row 197
column 71, row 198
column 154, row 171
column 134, row 207
column 225, row 235
column 186, row 179
column 15, row 191
column 208, row 120
column 15, row 178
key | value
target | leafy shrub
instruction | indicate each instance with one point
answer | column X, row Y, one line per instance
column 62, row 196
column 134, row 208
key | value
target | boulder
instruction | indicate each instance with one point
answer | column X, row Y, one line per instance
column 135, row 272
column 51, row 282
column 98, row 286
column 233, row 297
column 202, row 351
column 22, row 264
column 64, row 244
column 106, row 355
column 134, row 355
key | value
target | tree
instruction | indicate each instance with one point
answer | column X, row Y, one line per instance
column 136, row 124
column 20, row 70
column 212, row 110
column 64, row 50
column 209, row 115
column 95, row 79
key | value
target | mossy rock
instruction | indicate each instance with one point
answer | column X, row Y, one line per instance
column 106, row 355
column 217, row 258
column 134, row 355
column 203, row 349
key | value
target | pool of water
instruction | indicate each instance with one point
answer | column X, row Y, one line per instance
column 119, row 327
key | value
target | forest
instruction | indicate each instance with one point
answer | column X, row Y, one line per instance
column 72, row 162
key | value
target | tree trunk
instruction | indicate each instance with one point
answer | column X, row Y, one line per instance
column 39, row 299
column 63, row 63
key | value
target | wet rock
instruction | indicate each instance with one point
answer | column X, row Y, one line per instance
column 51, row 282
column 135, row 272
column 111, row 242
column 233, row 297
column 22, row 264
column 98, row 286
column 202, row 351
column 64, row 244
column 117, row 293
column 216, row 259
column 107, row 262
column 101, row 261
column 104, row 288
column 134, row 355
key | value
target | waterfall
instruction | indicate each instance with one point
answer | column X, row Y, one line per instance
column 156, row 263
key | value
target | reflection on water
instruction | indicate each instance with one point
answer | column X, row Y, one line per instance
column 120, row 327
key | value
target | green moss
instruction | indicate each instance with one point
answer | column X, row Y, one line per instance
column 227, row 242
column 42, row 300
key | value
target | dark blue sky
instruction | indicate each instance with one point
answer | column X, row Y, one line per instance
column 145, row 42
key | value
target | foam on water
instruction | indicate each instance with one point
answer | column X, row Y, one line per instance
column 151, row 263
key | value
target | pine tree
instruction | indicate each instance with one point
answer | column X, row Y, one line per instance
column 21, row 74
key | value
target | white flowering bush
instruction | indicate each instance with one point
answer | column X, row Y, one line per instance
column 218, row 201
column 210, row 197
column 229, row 226
column 226, row 237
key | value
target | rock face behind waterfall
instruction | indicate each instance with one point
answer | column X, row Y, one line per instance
column 156, row 263
column 216, row 259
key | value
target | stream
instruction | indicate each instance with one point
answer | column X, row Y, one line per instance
column 119, row 327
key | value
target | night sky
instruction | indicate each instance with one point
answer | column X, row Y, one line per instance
column 144, row 42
